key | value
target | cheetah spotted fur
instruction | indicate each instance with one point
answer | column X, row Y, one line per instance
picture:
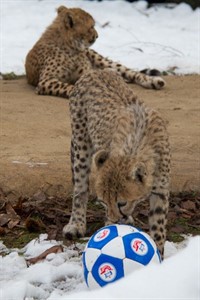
column 122, row 146
column 63, row 54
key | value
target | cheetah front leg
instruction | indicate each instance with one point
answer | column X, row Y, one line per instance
column 158, row 219
column 53, row 87
column 80, row 172
column 131, row 76
column 77, row 223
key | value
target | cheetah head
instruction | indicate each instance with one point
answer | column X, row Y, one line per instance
column 77, row 26
column 121, row 181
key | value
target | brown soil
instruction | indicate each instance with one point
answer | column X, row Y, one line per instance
column 35, row 162
column 35, row 136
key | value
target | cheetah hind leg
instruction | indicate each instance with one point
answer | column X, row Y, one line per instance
column 149, row 82
column 151, row 72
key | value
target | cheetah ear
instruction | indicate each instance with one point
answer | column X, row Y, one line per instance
column 69, row 22
column 100, row 157
column 61, row 8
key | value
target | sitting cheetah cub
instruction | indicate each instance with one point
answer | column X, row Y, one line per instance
column 62, row 55
column 124, row 146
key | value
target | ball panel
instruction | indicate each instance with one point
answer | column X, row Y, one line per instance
column 138, row 248
column 158, row 254
column 107, row 269
column 156, row 258
column 125, row 229
column 91, row 282
column 85, row 270
column 102, row 237
column 131, row 266
column 114, row 248
column 90, row 256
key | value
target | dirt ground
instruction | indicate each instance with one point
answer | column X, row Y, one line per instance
column 35, row 176
column 35, row 137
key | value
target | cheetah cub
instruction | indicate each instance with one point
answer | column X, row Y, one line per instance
column 62, row 55
column 123, row 145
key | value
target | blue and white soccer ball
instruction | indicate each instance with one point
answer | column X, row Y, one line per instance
column 115, row 251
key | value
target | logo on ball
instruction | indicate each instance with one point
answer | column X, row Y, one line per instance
column 139, row 246
column 107, row 272
column 101, row 235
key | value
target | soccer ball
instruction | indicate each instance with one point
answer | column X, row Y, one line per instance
column 115, row 251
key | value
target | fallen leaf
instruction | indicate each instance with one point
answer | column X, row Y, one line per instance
column 2, row 231
column 34, row 225
column 3, row 204
column 14, row 217
column 39, row 196
column 4, row 219
column 54, row 249
column 178, row 229
column 190, row 205
column 180, row 210
column 52, row 233
column 172, row 215
column 19, row 206
column 196, row 219
column 186, row 215
column 12, row 223
column 10, row 211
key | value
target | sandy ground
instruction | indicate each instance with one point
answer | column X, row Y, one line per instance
column 35, row 137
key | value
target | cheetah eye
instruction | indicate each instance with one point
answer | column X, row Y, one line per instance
column 121, row 204
column 139, row 173
column 100, row 157
column 102, row 203
column 91, row 27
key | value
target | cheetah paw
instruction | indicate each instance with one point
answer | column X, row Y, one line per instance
column 37, row 91
column 157, row 83
column 71, row 231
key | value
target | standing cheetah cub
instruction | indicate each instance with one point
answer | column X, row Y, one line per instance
column 62, row 55
column 124, row 146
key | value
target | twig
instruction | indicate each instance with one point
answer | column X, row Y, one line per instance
column 163, row 47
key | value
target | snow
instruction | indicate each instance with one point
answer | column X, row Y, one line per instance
column 159, row 37
column 61, row 272
column 60, row 276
